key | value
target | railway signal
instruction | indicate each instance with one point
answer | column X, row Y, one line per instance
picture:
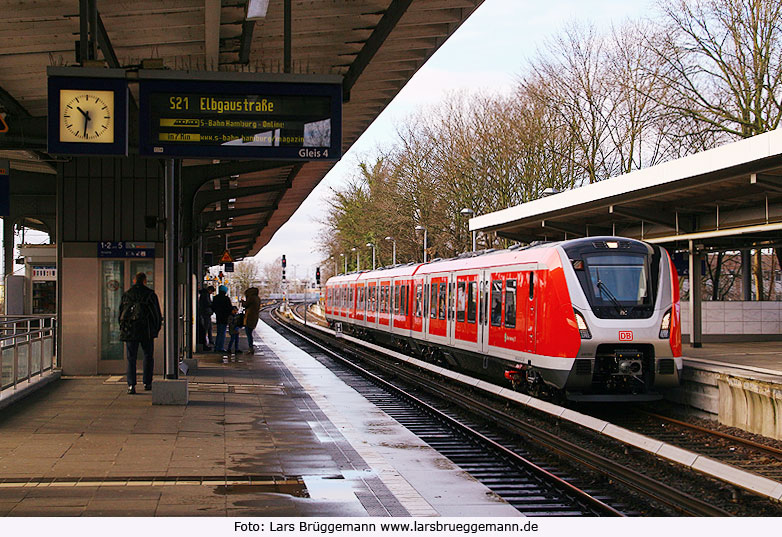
column 317, row 276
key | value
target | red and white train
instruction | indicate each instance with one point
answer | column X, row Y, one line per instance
column 596, row 318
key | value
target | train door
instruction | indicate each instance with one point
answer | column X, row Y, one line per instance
column 483, row 310
column 533, row 288
column 465, row 326
column 417, row 292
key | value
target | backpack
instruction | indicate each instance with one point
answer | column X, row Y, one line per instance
column 239, row 321
column 134, row 319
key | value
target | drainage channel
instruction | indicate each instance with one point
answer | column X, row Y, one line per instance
column 533, row 490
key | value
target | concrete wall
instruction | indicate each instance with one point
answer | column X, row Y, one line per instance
column 750, row 320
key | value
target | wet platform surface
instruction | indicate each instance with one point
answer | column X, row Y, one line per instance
column 275, row 434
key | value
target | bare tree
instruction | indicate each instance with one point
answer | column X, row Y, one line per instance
column 723, row 63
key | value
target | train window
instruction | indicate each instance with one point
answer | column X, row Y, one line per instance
column 510, row 303
column 461, row 301
column 418, row 298
column 496, row 302
column 374, row 297
column 531, row 285
column 433, row 312
column 471, row 292
column 441, row 300
column 404, row 307
column 426, row 299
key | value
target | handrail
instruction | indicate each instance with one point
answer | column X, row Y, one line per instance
column 27, row 349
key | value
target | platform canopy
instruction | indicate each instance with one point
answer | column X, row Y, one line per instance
column 375, row 45
column 729, row 197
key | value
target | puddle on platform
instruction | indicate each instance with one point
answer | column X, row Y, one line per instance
column 334, row 488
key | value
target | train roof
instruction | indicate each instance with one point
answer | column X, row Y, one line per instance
column 468, row 260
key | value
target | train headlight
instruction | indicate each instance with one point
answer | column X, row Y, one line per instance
column 582, row 326
column 665, row 325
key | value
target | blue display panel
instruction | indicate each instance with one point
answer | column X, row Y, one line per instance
column 236, row 119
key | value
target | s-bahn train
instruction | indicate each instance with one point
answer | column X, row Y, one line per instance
column 595, row 319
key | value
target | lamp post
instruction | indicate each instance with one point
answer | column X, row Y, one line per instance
column 369, row 244
column 422, row 228
column 393, row 256
column 336, row 268
column 358, row 254
column 467, row 213
column 346, row 262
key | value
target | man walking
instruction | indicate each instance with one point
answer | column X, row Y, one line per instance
column 139, row 323
column 221, row 305
column 205, row 317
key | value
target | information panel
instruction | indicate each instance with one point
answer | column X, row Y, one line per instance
column 239, row 119
column 126, row 249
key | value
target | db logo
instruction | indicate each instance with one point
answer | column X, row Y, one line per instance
column 625, row 335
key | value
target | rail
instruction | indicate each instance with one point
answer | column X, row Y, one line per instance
column 27, row 348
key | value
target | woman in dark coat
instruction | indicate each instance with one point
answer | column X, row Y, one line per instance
column 252, row 307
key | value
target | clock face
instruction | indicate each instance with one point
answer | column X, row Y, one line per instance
column 87, row 116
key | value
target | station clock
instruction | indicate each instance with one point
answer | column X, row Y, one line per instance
column 87, row 116
column 88, row 111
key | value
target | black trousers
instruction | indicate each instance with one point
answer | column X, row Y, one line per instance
column 148, row 346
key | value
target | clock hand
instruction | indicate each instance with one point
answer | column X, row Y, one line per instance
column 82, row 111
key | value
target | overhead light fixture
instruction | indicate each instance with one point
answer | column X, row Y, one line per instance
column 256, row 9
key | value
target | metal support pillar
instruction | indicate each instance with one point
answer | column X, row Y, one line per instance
column 746, row 275
column 696, row 330
column 474, row 233
column 189, row 335
column 171, row 365
column 286, row 55
column 8, row 246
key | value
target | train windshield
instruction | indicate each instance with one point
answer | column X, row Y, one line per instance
column 619, row 284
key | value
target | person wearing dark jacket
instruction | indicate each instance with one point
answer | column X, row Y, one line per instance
column 221, row 305
column 205, row 317
column 252, row 306
column 140, row 320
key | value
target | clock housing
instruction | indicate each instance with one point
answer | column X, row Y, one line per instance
column 88, row 111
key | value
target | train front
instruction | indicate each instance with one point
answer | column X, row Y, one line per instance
column 625, row 296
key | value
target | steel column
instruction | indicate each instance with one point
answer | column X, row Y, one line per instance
column 8, row 245
column 696, row 330
column 286, row 55
column 170, row 273
column 746, row 274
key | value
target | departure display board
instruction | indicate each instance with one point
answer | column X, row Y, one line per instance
column 240, row 119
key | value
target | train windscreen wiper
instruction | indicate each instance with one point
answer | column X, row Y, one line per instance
column 603, row 287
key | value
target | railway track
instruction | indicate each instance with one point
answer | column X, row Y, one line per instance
column 533, row 488
column 536, row 439
column 760, row 459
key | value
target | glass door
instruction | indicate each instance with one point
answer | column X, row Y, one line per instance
column 112, row 287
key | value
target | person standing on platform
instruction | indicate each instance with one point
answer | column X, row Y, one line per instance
column 221, row 305
column 252, row 307
column 205, row 317
column 140, row 320
column 234, row 323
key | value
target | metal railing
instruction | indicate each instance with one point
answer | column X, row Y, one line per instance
column 27, row 348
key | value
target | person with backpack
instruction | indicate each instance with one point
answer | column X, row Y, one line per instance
column 221, row 305
column 140, row 320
